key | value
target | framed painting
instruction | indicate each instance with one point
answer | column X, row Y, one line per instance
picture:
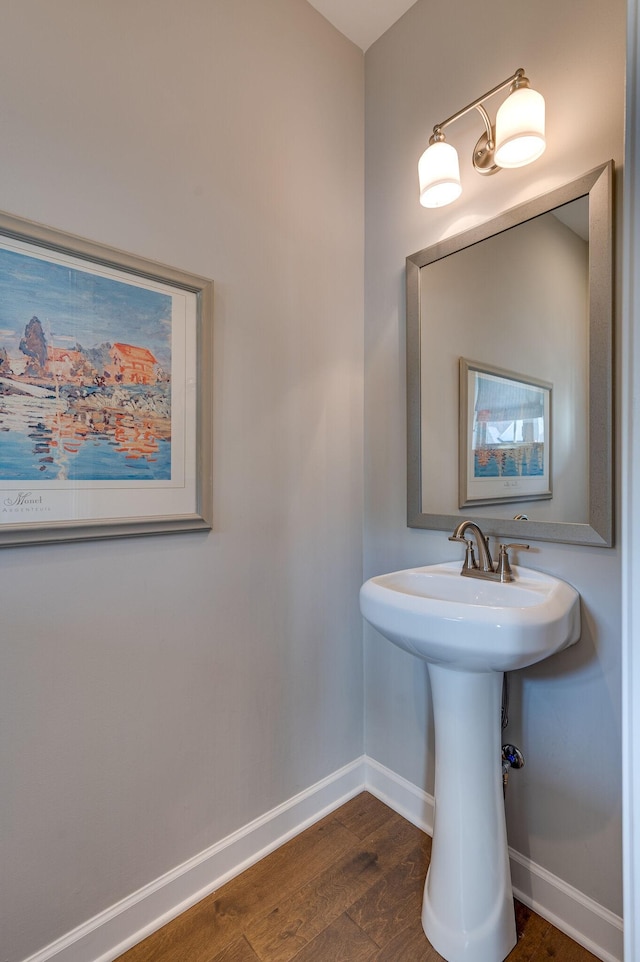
column 505, row 436
column 105, row 391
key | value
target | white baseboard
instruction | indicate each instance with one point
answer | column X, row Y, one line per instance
column 403, row 797
column 109, row 934
column 112, row 932
column 583, row 920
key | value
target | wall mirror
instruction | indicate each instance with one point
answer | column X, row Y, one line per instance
column 509, row 371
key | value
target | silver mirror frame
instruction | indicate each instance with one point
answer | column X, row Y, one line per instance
column 598, row 185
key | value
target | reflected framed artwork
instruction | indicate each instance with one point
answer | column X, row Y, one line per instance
column 105, row 391
column 505, row 436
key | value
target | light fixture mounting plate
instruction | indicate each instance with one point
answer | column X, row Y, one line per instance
column 483, row 153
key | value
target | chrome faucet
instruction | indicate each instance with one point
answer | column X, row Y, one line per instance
column 484, row 567
column 484, row 554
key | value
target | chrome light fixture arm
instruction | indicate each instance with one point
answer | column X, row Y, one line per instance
column 483, row 150
column 483, row 159
column 518, row 79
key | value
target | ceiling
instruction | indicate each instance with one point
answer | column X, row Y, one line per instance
column 362, row 21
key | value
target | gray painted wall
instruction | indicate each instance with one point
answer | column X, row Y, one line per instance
column 564, row 807
column 159, row 693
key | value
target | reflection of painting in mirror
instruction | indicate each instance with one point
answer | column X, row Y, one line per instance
column 521, row 300
column 505, row 436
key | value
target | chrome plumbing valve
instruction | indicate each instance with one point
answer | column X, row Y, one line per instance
column 512, row 757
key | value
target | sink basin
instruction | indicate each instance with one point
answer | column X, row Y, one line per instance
column 470, row 623
column 470, row 631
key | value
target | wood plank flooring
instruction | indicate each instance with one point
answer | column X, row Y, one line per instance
column 348, row 889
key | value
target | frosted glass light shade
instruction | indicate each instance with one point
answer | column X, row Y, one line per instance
column 520, row 129
column 439, row 173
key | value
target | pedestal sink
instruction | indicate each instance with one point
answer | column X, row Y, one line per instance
column 470, row 631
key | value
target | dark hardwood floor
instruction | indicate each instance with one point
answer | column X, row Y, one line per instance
column 348, row 889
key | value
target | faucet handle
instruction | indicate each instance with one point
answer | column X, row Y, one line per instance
column 470, row 558
column 503, row 567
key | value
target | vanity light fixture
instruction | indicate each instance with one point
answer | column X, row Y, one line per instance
column 516, row 140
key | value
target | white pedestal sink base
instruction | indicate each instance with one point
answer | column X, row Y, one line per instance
column 468, row 913
column 469, row 631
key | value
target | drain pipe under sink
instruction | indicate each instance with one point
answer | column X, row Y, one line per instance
column 512, row 757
